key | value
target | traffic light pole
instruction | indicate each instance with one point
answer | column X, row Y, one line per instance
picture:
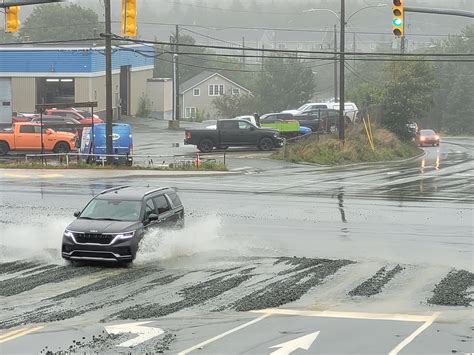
column 342, row 98
column 426, row 10
column 108, row 82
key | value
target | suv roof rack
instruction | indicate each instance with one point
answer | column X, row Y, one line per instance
column 156, row 190
column 113, row 189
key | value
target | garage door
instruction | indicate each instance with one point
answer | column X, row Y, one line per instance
column 5, row 100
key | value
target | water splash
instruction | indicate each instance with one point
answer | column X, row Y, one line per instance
column 33, row 241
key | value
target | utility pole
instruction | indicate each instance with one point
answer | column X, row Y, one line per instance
column 176, row 49
column 108, row 82
column 335, row 65
column 354, row 45
column 175, row 89
column 342, row 99
column 402, row 45
column 243, row 52
column 263, row 57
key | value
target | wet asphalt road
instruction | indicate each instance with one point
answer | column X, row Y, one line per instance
column 370, row 242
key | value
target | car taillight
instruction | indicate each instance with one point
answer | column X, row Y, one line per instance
column 130, row 147
column 188, row 135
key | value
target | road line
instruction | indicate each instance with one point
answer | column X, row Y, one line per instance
column 351, row 315
column 18, row 333
column 47, row 176
column 413, row 335
column 220, row 336
column 17, row 175
column 6, row 335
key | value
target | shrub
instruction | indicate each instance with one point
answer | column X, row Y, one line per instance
column 144, row 107
column 328, row 150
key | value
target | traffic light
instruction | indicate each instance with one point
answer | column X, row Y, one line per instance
column 398, row 22
column 12, row 23
column 129, row 18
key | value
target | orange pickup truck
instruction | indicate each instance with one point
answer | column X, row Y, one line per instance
column 26, row 136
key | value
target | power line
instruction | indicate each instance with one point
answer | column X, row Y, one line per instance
column 283, row 29
column 158, row 57
column 287, row 51
column 368, row 81
column 51, row 42
column 209, row 37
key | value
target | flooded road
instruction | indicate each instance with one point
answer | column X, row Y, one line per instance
column 361, row 241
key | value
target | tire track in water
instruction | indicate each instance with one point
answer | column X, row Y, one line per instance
column 376, row 283
column 18, row 285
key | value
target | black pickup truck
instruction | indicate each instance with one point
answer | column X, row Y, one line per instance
column 233, row 133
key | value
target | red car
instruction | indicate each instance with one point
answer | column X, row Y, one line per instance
column 82, row 116
column 427, row 137
column 23, row 117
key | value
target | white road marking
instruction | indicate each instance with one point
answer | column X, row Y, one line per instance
column 413, row 335
column 144, row 333
column 17, row 333
column 303, row 342
column 350, row 315
column 220, row 336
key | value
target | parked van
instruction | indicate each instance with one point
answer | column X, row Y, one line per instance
column 122, row 140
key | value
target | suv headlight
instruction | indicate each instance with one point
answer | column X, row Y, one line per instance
column 126, row 235
column 68, row 234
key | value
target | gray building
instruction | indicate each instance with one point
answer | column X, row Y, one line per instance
column 198, row 93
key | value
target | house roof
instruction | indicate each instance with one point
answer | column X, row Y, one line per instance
column 202, row 77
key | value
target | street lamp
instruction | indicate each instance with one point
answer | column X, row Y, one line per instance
column 351, row 15
column 343, row 22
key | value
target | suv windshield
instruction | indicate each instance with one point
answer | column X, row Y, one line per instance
column 115, row 210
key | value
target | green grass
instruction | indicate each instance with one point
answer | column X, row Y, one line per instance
column 329, row 151
column 205, row 166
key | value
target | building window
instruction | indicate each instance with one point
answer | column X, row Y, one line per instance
column 190, row 112
column 235, row 91
column 216, row 90
column 197, row 92
column 299, row 46
column 281, row 46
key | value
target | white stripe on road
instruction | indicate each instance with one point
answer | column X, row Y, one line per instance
column 413, row 335
column 17, row 333
column 350, row 315
column 220, row 336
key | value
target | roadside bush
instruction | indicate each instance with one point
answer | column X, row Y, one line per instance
column 144, row 107
column 328, row 150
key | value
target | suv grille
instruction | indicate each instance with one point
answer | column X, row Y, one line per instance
column 93, row 238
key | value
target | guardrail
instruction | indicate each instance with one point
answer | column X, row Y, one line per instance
column 146, row 160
